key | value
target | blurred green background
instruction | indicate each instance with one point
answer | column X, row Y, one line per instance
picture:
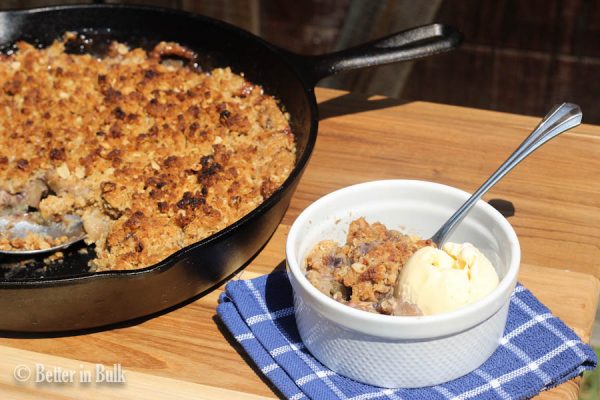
column 590, row 388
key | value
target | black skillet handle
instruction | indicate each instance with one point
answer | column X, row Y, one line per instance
column 406, row 45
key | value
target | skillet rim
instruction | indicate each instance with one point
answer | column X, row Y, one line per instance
column 291, row 60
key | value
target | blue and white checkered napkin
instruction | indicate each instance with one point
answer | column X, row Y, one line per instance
column 538, row 351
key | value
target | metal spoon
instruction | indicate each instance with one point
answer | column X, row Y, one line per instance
column 20, row 225
column 560, row 119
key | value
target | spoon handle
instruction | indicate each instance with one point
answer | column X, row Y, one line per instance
column 560, row 119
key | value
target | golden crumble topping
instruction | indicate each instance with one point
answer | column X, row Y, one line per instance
column 152, row 155
column 362, row 273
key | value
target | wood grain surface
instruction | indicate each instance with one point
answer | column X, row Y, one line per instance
column 186, row 353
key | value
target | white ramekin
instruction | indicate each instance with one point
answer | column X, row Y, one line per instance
column 390, row 351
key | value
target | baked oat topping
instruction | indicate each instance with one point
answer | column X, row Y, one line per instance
column 152, row 155
column 30, row 241
column 363, row 272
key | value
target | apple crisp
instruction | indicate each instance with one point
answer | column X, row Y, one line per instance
column 362, row 273
column 151, row 153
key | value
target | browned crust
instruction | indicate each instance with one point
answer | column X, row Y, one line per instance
column 167, row 154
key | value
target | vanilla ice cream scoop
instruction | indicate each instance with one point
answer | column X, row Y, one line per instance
column 439, row 281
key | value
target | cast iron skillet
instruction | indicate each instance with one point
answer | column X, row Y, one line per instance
column 66, row 296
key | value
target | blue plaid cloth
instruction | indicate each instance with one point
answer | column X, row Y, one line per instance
column 538, row 351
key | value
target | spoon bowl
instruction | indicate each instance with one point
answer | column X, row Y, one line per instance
column 21, row 225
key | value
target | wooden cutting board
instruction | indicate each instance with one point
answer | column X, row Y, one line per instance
column 186, row 353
